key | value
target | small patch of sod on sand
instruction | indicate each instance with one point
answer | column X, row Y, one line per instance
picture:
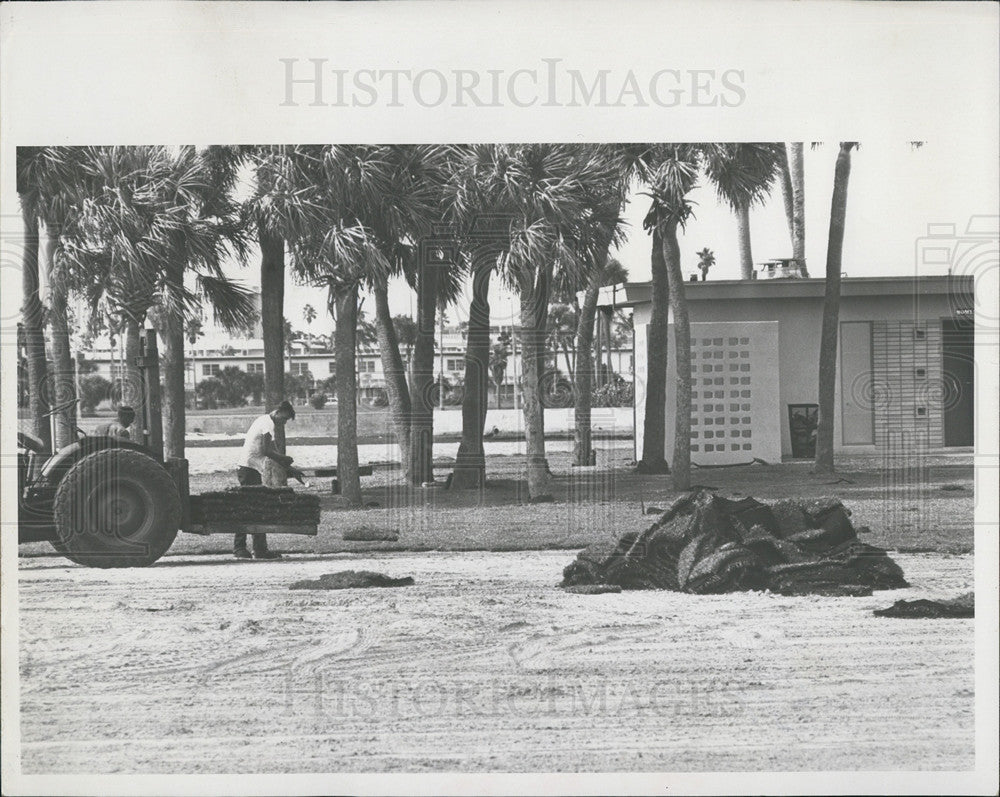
column 352, row 579
column 370, row 534
column 959, row 607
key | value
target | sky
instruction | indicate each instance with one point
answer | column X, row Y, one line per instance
column 895, row 192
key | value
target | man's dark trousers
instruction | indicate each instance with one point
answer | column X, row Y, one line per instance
column 248, row 477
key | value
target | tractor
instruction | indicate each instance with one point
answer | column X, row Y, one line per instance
column 104, row 501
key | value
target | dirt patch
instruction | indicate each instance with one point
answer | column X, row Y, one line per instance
column 481, row 666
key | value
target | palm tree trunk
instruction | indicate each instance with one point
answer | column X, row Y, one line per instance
column 681, row 465
column 746, row 255
column 272, row 319
column 347, row 385
column 787, row 194
column 831, row 311
column 422, row 381
column 584, row 377
column 608, row 342
column 654, row 422
column 34, row 332
column 172, row 334
column 797, row 175
column 64, row 383
column 131, row 374
column 395, row 373
column 470, row 464
column 541, row 351
column 539, row 478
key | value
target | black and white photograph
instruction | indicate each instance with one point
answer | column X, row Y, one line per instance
column 499, row 421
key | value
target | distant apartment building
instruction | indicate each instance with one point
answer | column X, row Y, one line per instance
column 314, row 360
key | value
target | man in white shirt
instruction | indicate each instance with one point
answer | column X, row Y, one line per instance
column 258, row 448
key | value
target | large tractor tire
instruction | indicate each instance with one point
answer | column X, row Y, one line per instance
column 116, row 508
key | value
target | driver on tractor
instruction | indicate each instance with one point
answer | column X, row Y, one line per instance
column 119, row 428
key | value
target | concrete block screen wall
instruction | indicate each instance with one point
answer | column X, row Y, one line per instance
column 735, row 411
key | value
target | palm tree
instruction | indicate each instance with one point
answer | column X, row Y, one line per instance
column 309, row 315
column 671, row 176
column 362, row 203
column 605, row 272
column 561, row 326
column 499, row 355
column 208, row 229
column 193, row 331
column 50, row 187
column 152, row 217
column 277, row 208
column 562, row 191
column 28, row 190
column 480, row 212
column 796, row 174
column 743, row 175
column 706, row 259
column 541, row 201
column 831, row 311
column 787, row 192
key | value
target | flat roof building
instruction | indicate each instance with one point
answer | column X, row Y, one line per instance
column 905, row 365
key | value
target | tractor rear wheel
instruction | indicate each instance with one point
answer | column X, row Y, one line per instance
column 116, row 508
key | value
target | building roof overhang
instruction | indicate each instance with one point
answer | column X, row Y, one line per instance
column 630, row 294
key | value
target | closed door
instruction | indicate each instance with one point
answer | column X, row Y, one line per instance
column 958, row 373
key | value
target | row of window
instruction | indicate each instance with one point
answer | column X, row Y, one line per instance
column 718, row 354
column 719, row 341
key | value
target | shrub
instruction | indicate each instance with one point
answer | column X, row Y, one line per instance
column 618, row 393
column 93, row 390
column 318, row 400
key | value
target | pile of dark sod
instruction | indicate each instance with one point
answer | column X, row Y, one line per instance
column 706, row 544
column 256, row 505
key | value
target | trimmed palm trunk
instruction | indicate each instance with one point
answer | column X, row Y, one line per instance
column 609, row 340
column 422, row 381
column 584, row 377
column 347, row 385
column 34, row 331
column 63, row 377
column 540, row 325
column 797, row 175
column 681, row 465
column 657, row 340
column 470, row 464
column 395, row 372
column 831, row 311
column 743, row 230
column 172, row 335
column 533, row 341
column 787, row 195
column 272, row 319
column 132, row 375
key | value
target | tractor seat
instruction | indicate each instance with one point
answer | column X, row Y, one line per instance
column 30, row 442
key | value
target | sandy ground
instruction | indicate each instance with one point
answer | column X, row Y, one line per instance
column 202, row 664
